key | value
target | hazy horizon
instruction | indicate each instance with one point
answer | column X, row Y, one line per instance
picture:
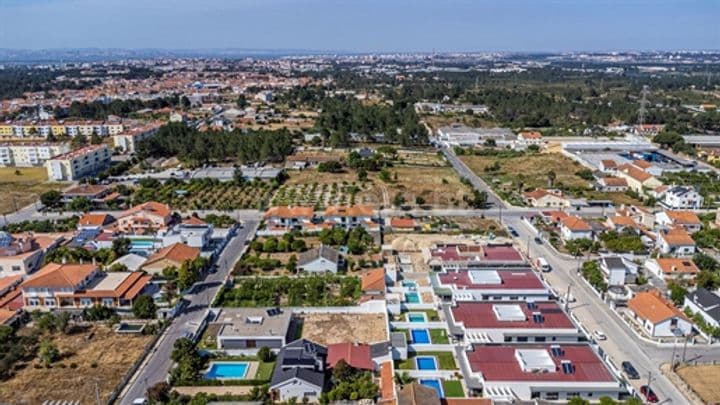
column 369, row 26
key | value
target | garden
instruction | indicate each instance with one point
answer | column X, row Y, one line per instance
column 313, row 290
column 205, row 194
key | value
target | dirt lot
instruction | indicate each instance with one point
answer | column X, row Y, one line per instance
column 703, row 380
column 437, row 186
column 20, row 190
column 111, row 353
column 339, row 328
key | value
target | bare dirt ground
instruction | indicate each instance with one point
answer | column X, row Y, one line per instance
column 339, row 328
column 704, row 380
column 102, row 359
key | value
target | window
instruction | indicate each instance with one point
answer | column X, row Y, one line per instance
column 15, row 268
column 108, row 302
column 49, row 302
column 540, row 338
column 522, row 339
column 551, row 396
column 85, row 302
column 508, row 339
column 572, row 395
column 33, row 302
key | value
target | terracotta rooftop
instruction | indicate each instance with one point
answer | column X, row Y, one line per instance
column 677, row 237
column 653, row 307
column 373, row 279
column 623, row 221
column 672, row 265
column 683, row 217
column 152, row 207
column 349, row 211
column 355, row 355
column 283, row 211
column 614, row 181
column 403, row 223
column 90, row 219
column 177, row 252
column 576, row 224
column 635, row 173
column 54, row 275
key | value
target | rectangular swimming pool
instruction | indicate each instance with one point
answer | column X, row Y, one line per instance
column 227, row 371
column 434, row 384
column 409, row 283
column 426, row 363
column 420, row 336
column 412, row 298
column 416, row 317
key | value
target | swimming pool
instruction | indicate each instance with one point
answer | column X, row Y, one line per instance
column 426, row 363
column 434, row 384
column 420, row 336
column 141, row 244
column 409, row 283
column 412, row 298
column 416, row 317
column 227, row 371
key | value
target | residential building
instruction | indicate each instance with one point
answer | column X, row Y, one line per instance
column 612, row 185
column 131, row 261
column 608, row 166
column 551, row 372
column 459, row 256
column 299, row 372
column 77, row 286
column 127, row 141
column 174, row 255
column 705, row 303
column 351, row 216
column 323, row 259
column 637, row 179
column 670, row 268
column 545, row 198
column 657, row 316
column 621, row 223
column 640, row 215
column 530, row 138
column 676, row 242
column 286, row 218
column 399, row 224
column 246, row 330
column 495, row 285
column 145, row 217
column 94, row 221
column 461, row 135
column 574, row 227
column 618, row 270
column 682, row 198
column 511, row 321
column 417, row 394
column 373, row 281
column 687, row 220
column 93, row 192
column 27, row 155
column 19, row 255
column 79, row 163
column 356, row 355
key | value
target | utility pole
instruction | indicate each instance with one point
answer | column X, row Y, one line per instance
column 528, row 246
column 684, row 347
column 500, row 205
column 649, row 380
column 567, row 297
column 642, row 111
column 672, row 359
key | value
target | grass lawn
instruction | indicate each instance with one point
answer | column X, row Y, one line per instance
column 430, row 314
column 24, row 187
column 445, row 360
column 453, row 389
column 439, row 336
column 265, row 370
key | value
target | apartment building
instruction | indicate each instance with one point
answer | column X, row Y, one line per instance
column 43, row 129
column 79, row 163
column 29, row 154
column 127, row 141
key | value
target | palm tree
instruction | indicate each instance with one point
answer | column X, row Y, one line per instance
column 404, row 378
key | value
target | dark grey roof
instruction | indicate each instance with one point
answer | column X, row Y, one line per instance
column 398, row 339
column 379, row 349
column 613, row 262
column 680, row 190
column 709, row 302
column 323, row 251
column 300, row 359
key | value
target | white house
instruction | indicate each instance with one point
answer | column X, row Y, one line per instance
column 574, row 227
column 676, row 242
column 705, row 303
column 299, row 371
column 657, row 316
column 671, row 268
column 618, row 270
column 319, row 260
column 688, row 220
column 682, row 198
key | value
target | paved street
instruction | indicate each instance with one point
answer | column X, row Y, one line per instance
column 476, row 181
column 158, row 363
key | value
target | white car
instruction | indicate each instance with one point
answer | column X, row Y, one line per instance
column 599, row 335
column 139, row 401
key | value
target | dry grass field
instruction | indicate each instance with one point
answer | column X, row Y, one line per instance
column 703, row 380
column 327, row 328
column 102, row 359
column 23, row 187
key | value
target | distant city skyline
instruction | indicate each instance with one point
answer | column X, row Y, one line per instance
column 363, row 26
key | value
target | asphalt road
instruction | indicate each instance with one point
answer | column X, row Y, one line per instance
column 476, row 181
column 157, row 364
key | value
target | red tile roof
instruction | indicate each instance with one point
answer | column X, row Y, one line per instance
column 403, row 223
column 283, row 211
column 54, row 275
column 652, row 306
column 373, row 279
column 510, row 280
column 498, row 363
column 351, row 211
column 355, row 355
column 177, row 252
column 481, row 315
column 575, row 224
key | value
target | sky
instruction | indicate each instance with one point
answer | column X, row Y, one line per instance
column 363, row 26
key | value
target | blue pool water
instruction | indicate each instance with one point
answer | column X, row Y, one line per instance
column 412, row 298
column 434, row 384
column 409, row 283
column 426, row 363
column 420, row 336
column 141, row 244
column 415, row 317
column 227, row 371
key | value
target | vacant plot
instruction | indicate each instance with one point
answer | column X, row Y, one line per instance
column 207, row 195
column 418, row 185
column 703, row 380
column 421, row 158
column 96, row 357
column 328, row 328
column 22, row 186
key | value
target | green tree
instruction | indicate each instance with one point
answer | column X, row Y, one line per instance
column 81, row 204
column 677, row 293
column 398, row 200
column 48, row 352
column 78, row 141
column 264, row 354
column 578, row 401
column 144, row 307
column 159, row 393
column 362, row 175
column 51, row 198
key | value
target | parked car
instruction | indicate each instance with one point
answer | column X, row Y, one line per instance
column 538, row 240
column 542, row 264
column 649, row 394
column 630, row 370
column 599, row 335
column 513, row 232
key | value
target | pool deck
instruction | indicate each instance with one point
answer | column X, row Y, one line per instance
column 214, row 389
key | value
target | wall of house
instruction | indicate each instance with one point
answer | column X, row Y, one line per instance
column 297, row 389
column 319, row 265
